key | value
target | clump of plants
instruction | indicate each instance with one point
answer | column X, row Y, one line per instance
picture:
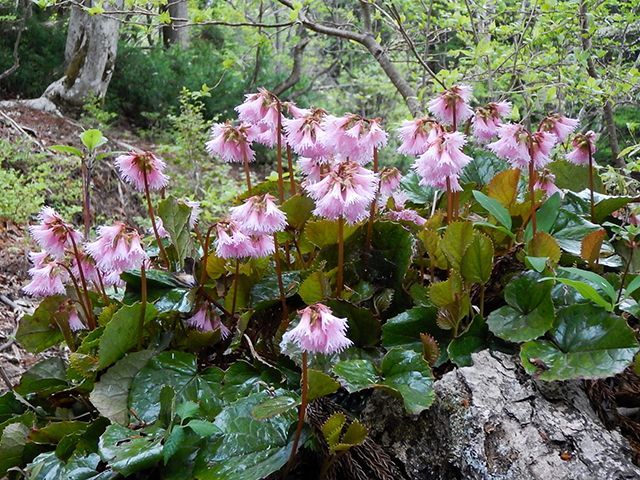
column 204, row 350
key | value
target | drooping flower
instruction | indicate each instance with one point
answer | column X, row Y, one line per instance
column 117, row 248
column 231, row 242
column 259, row 108
column 346, row 191
column 232, row 143
column 417, row 134
column 487, row 119
column 134, row 165
column 398, row 211
column 53, row 234
column 75, row 324
column 205, row 321
column 162, row 232
column 443, row 161
column 559, row 125
column 583, row 143
column 319, row 331
column 88, row 266
column 304, row 133
column 47, row 276
column 195, row 211
column 452, row 101
column 294, row 110
column 313, row 167
column 262, row 245
column 259, row 215
column 514, row 146
column 389, row 180
column 547, row 183
column 353, row 137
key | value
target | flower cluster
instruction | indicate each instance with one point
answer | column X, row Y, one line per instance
column 319, row 331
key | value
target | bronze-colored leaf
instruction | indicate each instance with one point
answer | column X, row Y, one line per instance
column 430, row 348
column 591, row 245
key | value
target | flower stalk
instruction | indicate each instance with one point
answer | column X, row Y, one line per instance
column 152, row 217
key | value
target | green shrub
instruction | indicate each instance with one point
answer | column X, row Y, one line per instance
column 19, row 197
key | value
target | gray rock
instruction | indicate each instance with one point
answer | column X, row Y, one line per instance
column 492, row 421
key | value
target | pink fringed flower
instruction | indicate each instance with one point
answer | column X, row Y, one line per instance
column 259, row 215
column 389, row 180
column 304, row 133
column 262, row 246
column 75, row 324
column 443, row 160
column 47, row 276
column 559, row 125
column 513, row 146
column 398, row 211
column 319, row 331
column 232, row 243
column 135, row 165
column 88, row 266
column 259, row 108
column 117, row 248
column 53, row 234
column 547, row 183
column 294, row 110
column 313, row 167
column 487, row 120
column 416, row 135
column 353, row 136
column 195, row 211
column 232, row 143
column 453, row 101
column 346, row 191
column 584, row 146
column 203, row 320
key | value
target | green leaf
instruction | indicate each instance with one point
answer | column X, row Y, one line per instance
column 120, row 334
column 248, row 449
column 315, row 288
column 175, row 217
column 38, row 332
column 416, row 193
column 474, row 339
column 537, row 263
column 546, row 216
column 457, row 238
column 477, row 261
column 544, row 245
column 12, row 444
column 111, row 394
column 275, row 406
column 587, row 291
column 572, row 177
column 332, row 428
column 178, row 370
column 495, row 208
column 356, row 374
column 267, row 290
column 484, row 166
column 298, row 210
column 364, row 328
column 404, row 329
column 45, row 377
column 127, row 451
column 529, row 311
column 586, row 342
column 407, row 373
column 172, row 443
column 320, row 384
column 325, row 232
column 203, row 428
column 92, row 139
column 592, row 277
column 66, row 149
column 55, row 431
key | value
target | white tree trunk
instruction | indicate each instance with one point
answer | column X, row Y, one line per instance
column 176, row 33
column 90, row 55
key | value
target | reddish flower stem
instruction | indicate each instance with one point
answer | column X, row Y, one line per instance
column 591, row 184
column 277, row 260
column 81, row 299
column 152, row 216
column 234, row 297
column 143, row 303
column 532, row 183
column 304, row 384
column 89, row 308
column 279, row 154
column 86, row 197
column 340, row 274
column 247, row 173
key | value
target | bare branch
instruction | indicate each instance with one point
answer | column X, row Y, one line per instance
column 296, row 70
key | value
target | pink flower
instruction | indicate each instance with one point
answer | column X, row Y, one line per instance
column 265, row 135
column 452, row 101
column 231, row 143
column 162, row 232
column 113, row 279
column 134, row 165
column 353, row 136
column 583, row 143
column 487, row 120
column 259, row 215
column 262, row 246
column 546, row 182
column 117, row 248
column 319, row 331
column 47, row 276
column 195, row 211
column 312, row 168
column 513, row 146
column 558, row 125
column 304, row 133
column 75, row 324
column 53, row 234
column 443, row 160
column 88, row 266
column 398, row 212
column 416, row 135
column 203, row 320
column 259, row 108
column 346, row 191
column 232, row 243
column 295, row 111
column 389, row 180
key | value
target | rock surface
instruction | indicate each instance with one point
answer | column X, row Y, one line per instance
column 491, row 421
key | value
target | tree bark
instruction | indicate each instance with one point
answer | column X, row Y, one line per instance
column 176, row 33
column 90, row 55
column 607, row 108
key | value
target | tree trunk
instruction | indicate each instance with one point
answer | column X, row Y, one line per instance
column 90, row 55
column 176, row 33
